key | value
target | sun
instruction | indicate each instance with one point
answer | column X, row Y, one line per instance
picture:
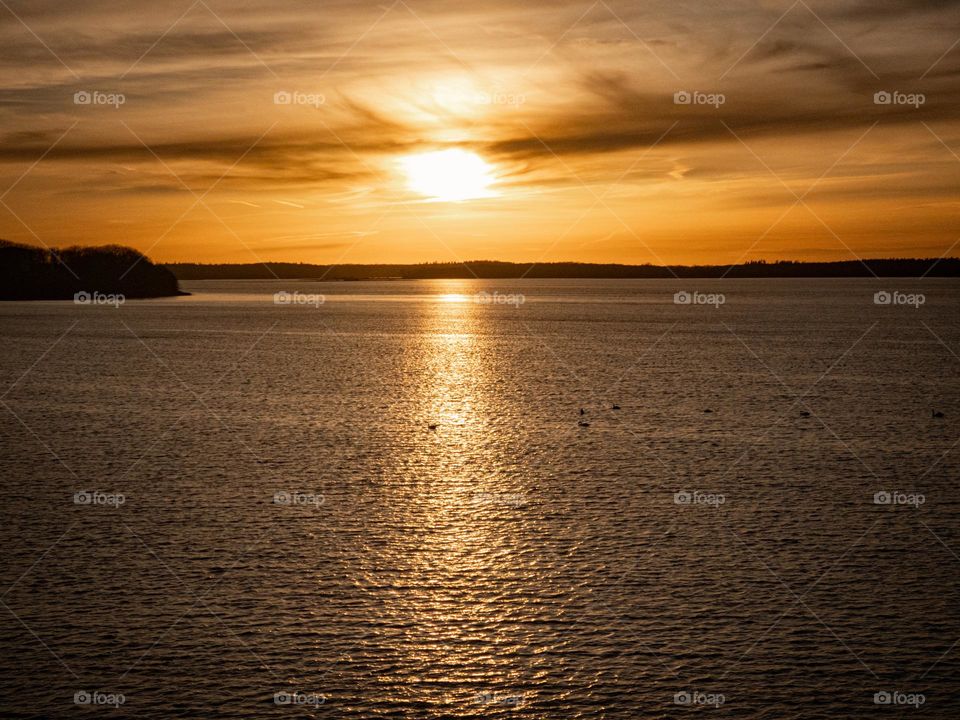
column 448, row 175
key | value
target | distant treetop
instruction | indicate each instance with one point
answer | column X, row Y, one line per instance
column 31, row 273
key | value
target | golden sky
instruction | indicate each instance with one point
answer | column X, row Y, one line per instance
column 420, row 130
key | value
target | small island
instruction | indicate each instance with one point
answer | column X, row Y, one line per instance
column 31, row 273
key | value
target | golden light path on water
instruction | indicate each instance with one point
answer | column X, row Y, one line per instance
column 461, row 526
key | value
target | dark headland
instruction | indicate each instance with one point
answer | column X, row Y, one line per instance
column 30, row 273
column 485, row 269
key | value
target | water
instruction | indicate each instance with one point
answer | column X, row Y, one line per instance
column 290, row 524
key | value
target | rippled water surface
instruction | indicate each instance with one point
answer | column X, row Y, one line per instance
column 209, row 501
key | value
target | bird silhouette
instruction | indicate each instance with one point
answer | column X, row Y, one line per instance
column 937, row 413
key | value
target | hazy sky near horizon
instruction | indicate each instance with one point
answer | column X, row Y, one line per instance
column 309, row 132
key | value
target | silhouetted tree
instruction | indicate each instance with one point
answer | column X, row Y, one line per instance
column 30, row 273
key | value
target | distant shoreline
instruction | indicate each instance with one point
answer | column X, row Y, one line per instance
column 492, row 270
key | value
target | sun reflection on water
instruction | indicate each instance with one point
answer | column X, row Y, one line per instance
column 457, row 553
column 453, row 298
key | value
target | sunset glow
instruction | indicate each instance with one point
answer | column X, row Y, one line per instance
column 414, row 132
column 451, row 175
